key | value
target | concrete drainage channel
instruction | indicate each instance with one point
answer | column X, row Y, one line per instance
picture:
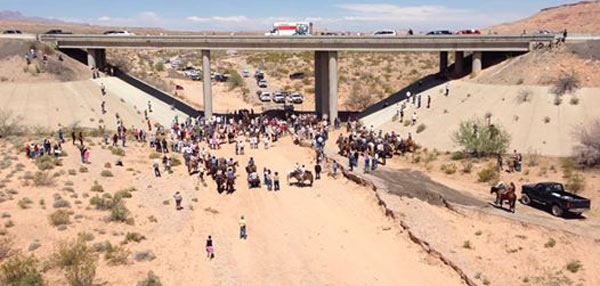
column 413, row 237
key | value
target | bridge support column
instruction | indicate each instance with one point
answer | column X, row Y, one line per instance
column 476, row 67
column 326, row 84
column 459, row 62
column 443, row 62
column 96, row 58
column 206, row 83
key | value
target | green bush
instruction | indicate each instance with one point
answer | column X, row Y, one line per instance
column 488, row 174
column 59, row 217
column 96, row 188
column 455, row 156
column 478, row 138
column 574, row 266
column 21, row 271
column 119, row 213
column 117, row 255
column 47, row 162
column 151, row 280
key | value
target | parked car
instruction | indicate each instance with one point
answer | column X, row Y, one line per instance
column 245, row 73
column 118, row 33
column 385, row 33
column 296, row 98
column 11, row 32
column 263, row 83
column 278, row 97
column 264, row 96
column 297, row 75
column 259, row 75
column 554, row 196
column 440, row 32
column 221, row 77
column 196, row 76
column 57, row 32
column 469, row 32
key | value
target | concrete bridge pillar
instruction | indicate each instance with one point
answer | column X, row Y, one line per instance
column 326, row 84
column 96, row 58
column 206, row 83
column 476, row 67
column 459, row 62
column 443, row 62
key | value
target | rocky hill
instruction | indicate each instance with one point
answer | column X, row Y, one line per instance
column 580, row 17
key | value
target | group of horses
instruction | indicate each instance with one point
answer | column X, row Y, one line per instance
column 392, row 146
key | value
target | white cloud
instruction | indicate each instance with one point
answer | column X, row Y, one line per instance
column 219, row 19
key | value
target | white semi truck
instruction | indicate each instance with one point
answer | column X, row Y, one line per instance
column 291, row 29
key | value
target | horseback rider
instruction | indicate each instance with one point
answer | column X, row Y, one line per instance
column 502, row 190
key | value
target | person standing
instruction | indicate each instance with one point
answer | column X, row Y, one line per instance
column 80, row 138
column 276, row 182
column 447, row 92
column 155, row 166
column 414, row 118
column 243, row 234
column 374, row 164
column 61, row 135
column 317, row 171
column 73, row 136
column 334, row 169
column 419, row 101
column 210, row 250
column 367, row 163
column 268, row 181
column 178, row 198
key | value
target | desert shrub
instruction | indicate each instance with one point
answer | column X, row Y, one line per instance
column 47, row 162
column 146, row 255
column 118, row 151
column 59, row 217
column 151, row 280
column 467, row 167
column 119, row 212
column 133, row 236
column 106, row 173
column 72, row 172
column 10, row 124
column 6, row 245
column 551, row 243
column 96, row 188
column 488, row 174
column 587, row 152
column 566, row 83
column 421, row 128
column 122, row 194
column 82, row 274
column 448, row 169
column 359, row 97
column 575, row 183
column 107, row 165
column 117, row 255
column 155, row 155
column 21, row 271
column 478, row 138
column 574, row 100
column 78, row 260
column 574, row 266
column 455, row 156
column 87, row 236
column 159, row 66
column 61, row 203
column 43, row 179
column 235, row 80
column 25, row 202
column 83, row 169
column 524, row 95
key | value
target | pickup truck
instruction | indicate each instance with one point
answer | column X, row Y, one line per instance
column 554, row 196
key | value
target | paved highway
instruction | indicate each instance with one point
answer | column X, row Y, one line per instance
column 481, row 43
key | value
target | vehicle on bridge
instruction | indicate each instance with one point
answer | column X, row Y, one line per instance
column 57, row 32
column 469, row 32
column 385, row 33
column 12, row 32
column 554, row 196
column 440, row 32
column 118, row 33
column 291, row 29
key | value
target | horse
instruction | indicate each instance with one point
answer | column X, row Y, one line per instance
column 511, row 197
column 301, row 178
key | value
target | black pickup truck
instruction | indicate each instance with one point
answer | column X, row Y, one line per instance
column 554, row 196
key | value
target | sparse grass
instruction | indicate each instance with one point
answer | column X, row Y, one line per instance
column 551, row 243
column 574, row 266
column 467, row 244
column 151, row 280
column 59, row 217
column 448, row 169
column 43, row 179
column 21, row 271
column 488, row 174
column 106, row 173
column 97, row 188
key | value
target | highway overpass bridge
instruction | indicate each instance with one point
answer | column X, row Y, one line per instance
column 324, row 47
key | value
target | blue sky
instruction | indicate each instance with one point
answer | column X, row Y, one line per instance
column 253, row 15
